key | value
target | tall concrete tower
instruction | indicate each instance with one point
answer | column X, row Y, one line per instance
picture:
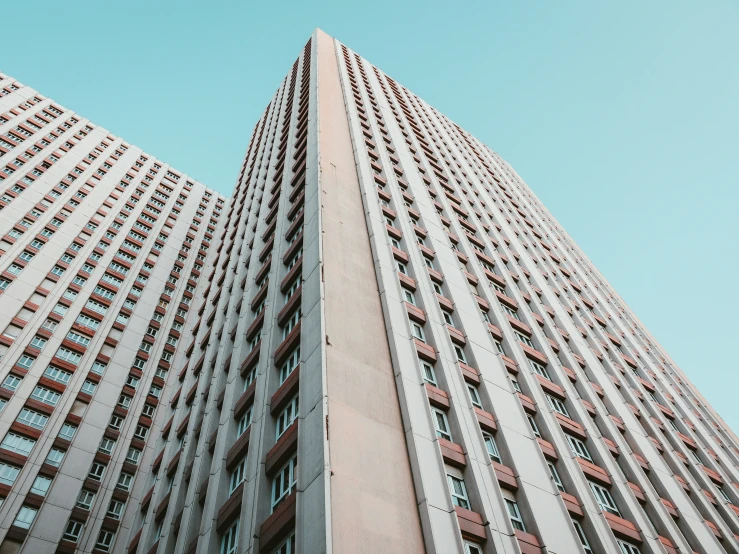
column 382, row 300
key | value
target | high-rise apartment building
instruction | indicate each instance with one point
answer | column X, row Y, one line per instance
column 382, row 299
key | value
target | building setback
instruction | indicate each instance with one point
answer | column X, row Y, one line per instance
column 384, row 300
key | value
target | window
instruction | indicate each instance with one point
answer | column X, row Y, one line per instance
column 38, row 342
column 447, row 317
column 723, row 494
column 516, row 386
column 32, row 418
column 287, row 417
column 284, row 482
column 8, row 474
column 85, row 499
column 50, row 325
column 124, row 481
column 534, row 426
column 510, row 311
column 73, row 532
column 578, row 448
column 515, row 514
column 18, row 443
column 441, row 424
column 229, row 542
column 25, row 517
column 557, row 405
column 55, row 457
column 124, row 401
column 97, row 471
column 237, row 476
column 471, row 548
column 11, row 382
column 417, row 331
column 428, row 373
column 115, row 422
column 25, row 361
column 105, row 540
column 628, row 548
column 88, row 387
column 45, row 395
column 695, row 456
column 141, row 432
column 492, row 447
column 115, row 509
column 98, row 367
column 524, row 339
column 540, row 369
column 458, row 491
column 581, row 535
column 291, row 323
column 409, row 297
column 555, row 476
column 79, row 339
column 41, row 485
column 474, row 396
column 68, row 356
column 106, row 446
column 604, row 499
column 133, row 456
column 460, row 354
column 244, row 422
column 289, row 366
column 68, row 431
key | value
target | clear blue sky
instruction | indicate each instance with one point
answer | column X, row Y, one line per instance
column 622, row 116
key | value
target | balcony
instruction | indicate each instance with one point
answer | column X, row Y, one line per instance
column 277, row 525
column 415, row 313
column 453, row 454
column 485, row 419
column 469, row 373
column 471, row 524
column 425, row 352
column 571, row 426
column 528, row 543
column 505, row 475
column 528, row 404
column 437, row 397
column 572, row 504
column 622, row 528
column 594, row 472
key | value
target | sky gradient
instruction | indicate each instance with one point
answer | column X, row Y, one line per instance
column 622, row 118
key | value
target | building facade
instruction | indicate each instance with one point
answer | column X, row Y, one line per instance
column 382, row 299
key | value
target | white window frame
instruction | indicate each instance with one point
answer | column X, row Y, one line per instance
column 230, row 539
column 514, row 514
column 604, row 499
column 441, row 424
column 492, row 447
column 284, row 482
column 580, row 532
column 628, row 548
column 287, row 416
column 458, row 491
column 237, row 476
column 557, row 405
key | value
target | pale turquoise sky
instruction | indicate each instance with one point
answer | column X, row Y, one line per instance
column 623, row 117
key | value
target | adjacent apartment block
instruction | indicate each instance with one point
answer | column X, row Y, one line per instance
column 382, row 299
